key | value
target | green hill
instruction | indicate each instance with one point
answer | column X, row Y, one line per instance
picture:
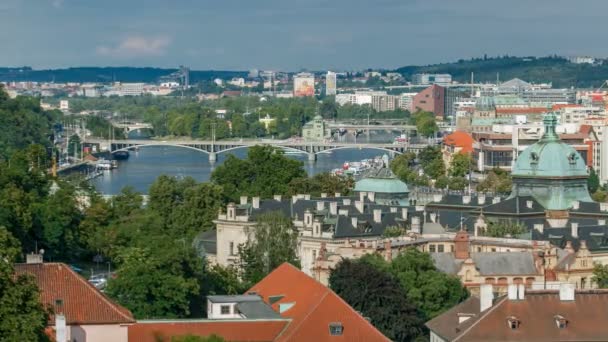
column 556, row 70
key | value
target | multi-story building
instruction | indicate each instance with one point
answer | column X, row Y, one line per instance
column 427, row 79
column 431, row 99
column 330, row 83
column 380, row 101
column 304, row 84
column 315, row 130
column 406, row 100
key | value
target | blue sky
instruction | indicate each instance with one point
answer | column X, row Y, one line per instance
column 292, row 34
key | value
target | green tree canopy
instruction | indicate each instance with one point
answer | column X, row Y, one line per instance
column 320, row 183
column 460, row 165
column 379, row 296
column 496, row 180
column 593, row 182
column 271, row 242
column 431, row 161
column 504, row 229
column 22, row 316
column 600, row 275
column 265, row 172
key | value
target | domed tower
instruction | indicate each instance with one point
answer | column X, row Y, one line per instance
column 551, row 171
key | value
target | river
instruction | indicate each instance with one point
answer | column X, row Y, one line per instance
column 146, row 164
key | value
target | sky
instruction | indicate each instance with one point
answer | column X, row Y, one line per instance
column 293, row 35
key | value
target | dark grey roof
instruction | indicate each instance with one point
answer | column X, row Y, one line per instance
column 515, row 205
column 504, row 263
column 595, row 236
column 445, row 262
column 257, row 310
column 234, row 298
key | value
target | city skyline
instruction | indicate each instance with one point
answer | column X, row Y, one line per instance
column 319, row 35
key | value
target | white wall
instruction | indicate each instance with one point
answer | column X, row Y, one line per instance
column 98, row 333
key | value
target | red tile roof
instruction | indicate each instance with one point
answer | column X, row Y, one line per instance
column 460, row 139
column 230, row 330
column 559, row 106
column 314, row 308
column 527, row 110
column 81, row 302
column 587, row 319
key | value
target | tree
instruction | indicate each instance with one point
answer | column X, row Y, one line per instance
column 271, row 242
column 22, row 316
column 504, row 229
column 324, row 182
column 425, row 123
column 402, row 166
column 457, row 183
column 600, row 275
column 393, row 231
column 379, row 296
column 265, row 172
column 593, row 182
column 431, row 161
column 460, row 165
column 497, row 181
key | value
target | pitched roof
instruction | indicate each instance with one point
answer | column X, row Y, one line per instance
column 230, row 330
column 312, row 307
column 66, row 291
column 587, row 318
column 460, row 139
column 448, row 325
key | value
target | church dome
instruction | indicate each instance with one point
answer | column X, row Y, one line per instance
column 550, row 157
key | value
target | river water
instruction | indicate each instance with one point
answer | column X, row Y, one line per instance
column 146, row 164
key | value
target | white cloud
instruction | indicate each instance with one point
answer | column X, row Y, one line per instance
column 137, row 46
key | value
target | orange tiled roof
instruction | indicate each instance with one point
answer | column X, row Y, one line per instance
column 460, row 139
column 314, row 308
column 230, row 330
column 66, row 291
column 530, row 110
column 559, row 106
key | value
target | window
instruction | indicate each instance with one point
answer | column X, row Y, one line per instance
column 336, row 329
column 231, row 248
column 440, row 248
column 493, row 249
column 225, row 309
column 432, row 248
column 512, row 322
column 478, row 249
column 560, row 321
column 314, row 255
column 452, row 248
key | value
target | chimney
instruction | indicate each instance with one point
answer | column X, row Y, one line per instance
column 583, row 245
column 294, row 199
column 433, row 217
column 521, row 291
column 568, row 247
column 371, row 196
column 231, row 211
column 60, row 328
column 333, row 208
column 324, row 195
column 277, row 198
column 307, row 197
column 243, row 200
column 481, row 199
column 495, row 200
column 415, row 224
column 378, row 215
column 601, row 222
column 404, row 213
column 346, row 201
column 343, row 212
column 512, row 292
column 362, row 195
column 338, row 194
column 575, row 205
column 393, row 209
column 388, row 251
column 437, row 197
column 566, row 292
column 540, row 227
column 354, row 221
column 255, row 202
column 603, row 206
column 359, row 205
column 574, row 229
column 529, row 204
column 466, row 199
column 34, row 258
column 320, row 205
column 486, row 296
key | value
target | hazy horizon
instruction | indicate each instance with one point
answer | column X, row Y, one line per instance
column 292, row 35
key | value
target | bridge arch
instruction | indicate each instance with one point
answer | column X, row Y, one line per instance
column 360, row 148
column 277, row 146
column 160, row 144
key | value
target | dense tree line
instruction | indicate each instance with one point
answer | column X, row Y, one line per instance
column 400, row 295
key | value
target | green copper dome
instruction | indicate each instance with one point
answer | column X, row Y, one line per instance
column 381, row 186
column 550, row 157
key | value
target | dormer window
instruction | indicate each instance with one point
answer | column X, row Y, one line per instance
column 561, row 322
column 336, row 329
column 572, row 157
column 534, row 158
column 513, row 322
